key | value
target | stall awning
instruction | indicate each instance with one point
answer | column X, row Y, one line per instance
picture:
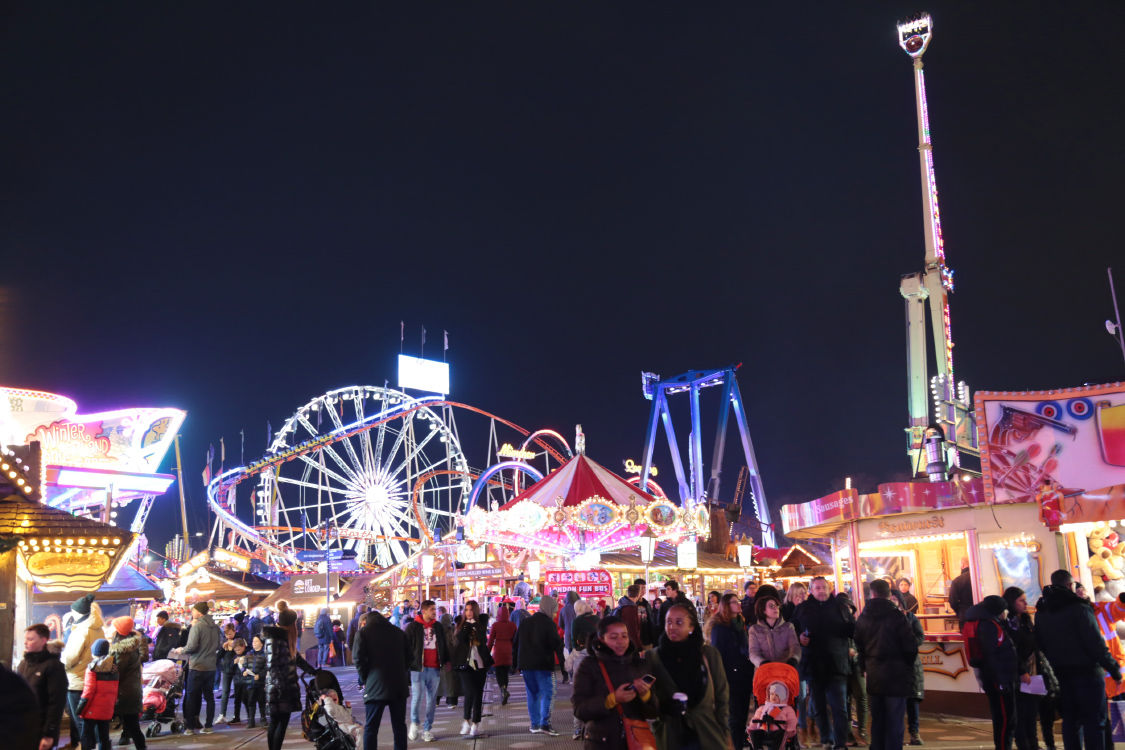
column 130, row 584
column 303, row 591
column 213, row 583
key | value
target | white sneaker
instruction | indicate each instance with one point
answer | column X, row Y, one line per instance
column 427, row 736
column 412, row 734
column 475, row 731
column 465, row 727
column 220, row 719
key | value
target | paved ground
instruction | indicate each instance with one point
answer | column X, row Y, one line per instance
column 508, row 727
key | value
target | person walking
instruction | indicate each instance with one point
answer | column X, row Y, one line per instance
column 77, row 655
column 693, row 698
column 99, row 697
column 538, row 651
column 45, row 673
column 382, row 658
column 125, row 650
column 520, row 612
column 729, row 637
column 167, row 636
column 203, row 644
column 886, row 650
column 283, row 659
column 610, row 687
column 500, row 645
column 1000, row 669
column 824, row 627
column 1068, row 635
column 323, row 632
column 918, row 684
column 472, row 660
column 425, row 637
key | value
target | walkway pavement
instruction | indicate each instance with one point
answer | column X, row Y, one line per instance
column 508, row 727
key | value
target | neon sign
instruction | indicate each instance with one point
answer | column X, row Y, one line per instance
column 68, row 444
column 635, row 468
column 509, row 451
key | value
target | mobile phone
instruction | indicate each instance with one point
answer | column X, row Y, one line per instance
column 629, row 687
column 648, row 679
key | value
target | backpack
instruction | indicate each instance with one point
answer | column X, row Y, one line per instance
column 971, row 633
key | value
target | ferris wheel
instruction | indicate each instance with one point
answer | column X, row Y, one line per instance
column 386, row 471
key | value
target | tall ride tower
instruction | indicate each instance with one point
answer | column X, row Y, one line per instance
column 952, row 400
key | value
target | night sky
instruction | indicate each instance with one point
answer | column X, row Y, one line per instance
column 228, row 208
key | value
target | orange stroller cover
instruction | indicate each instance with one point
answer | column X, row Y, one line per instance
column 776, row 671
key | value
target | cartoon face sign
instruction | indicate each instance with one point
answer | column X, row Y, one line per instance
column 597, row 514
column 662, row 514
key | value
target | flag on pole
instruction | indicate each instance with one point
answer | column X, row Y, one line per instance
column 401, row 335
column 446, row 340
column 269, row 435
column 222, row 451
column 423, row 342
column 304, row 526
column 207, row 475
column 242, row 458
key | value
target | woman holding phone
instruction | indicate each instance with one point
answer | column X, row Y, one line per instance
column 616, row 663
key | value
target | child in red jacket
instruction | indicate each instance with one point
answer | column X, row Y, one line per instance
column 99, row 696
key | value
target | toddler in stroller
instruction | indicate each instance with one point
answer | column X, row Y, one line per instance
column 774, row 725
column 327, row 720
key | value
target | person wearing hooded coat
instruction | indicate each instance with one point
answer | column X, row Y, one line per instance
column 77, row 654
column 323, row 632
column 886, row 650
column 918, row 684
column 566, row 618
column 283, row 659
column 46, row 675
column 500, row 644
column 595, row 704
column 125, row 650
column 538, row 652
column 1001, row 668
column 383, row 658
column 585, row 621
column 203, row 644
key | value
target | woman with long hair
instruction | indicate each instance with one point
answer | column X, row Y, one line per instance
column 1028, row 705
column 472, row 660
column 794, row 596
column 283, row 658
column 691, row 686
column 609, row 688
column 728, row 636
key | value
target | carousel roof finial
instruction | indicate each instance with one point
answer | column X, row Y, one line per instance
column 579, row 441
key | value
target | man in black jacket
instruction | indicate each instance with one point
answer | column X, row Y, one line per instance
column 382, row 658
column 673, row 596
column 1068, row 635
column 886, row 646
column 749, row 599
column 1001, row 667
column 46, row 675
column 429, row 652
column 961, row 592
column 167, row 638
column 538, row 649
column 824, row 627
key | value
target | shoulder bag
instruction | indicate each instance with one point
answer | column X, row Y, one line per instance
column 638, row 735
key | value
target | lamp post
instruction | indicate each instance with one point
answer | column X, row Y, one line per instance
column 428, row 571
column 533, row 570
column 745, row 561
column 648, row 542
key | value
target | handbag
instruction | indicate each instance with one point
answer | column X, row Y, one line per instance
column 638, row 734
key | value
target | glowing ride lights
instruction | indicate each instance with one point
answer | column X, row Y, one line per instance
column 509, row 451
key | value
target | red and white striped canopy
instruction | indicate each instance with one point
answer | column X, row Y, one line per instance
column 578, row 480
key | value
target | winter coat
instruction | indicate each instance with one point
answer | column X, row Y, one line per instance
column 283, row 694
column 203, row 644
column 731, row 642
column 887, row 648
column 225, row 663
column 1068, row 635
column 588, row 624
column 253, row 662
column 167, row 638
column 254, row 625
column 467, row 634
column 382, row 659
column 918, row 683
column 830, row 626
column 126, row 653
column 566, row 617
column 747, row 604
column 501, row 638
column 47, row 677
column 604, row 728
column 537, row 644
column 710, row 717
column 998, row 647
column 961, row 595
column 100, row 690
column 778, row 643
column 353, row 628
column 76, row 655
column 323, row 630
column 415, row 639
column 631, row 613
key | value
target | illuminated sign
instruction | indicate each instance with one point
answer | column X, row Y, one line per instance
column 687, row 556
column 935, row 522
column 315, row 585
column 944, row 659
column 635, row 468
column 232, row 560
column 195, row 563
column 594, row 582
column 467, row 554
column 76, row 570
column 423, row 374
column 507, row 451
column 102, row 479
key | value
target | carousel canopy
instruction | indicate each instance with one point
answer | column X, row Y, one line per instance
column 578, row 480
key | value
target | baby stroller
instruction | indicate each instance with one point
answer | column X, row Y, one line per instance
column 163, row 686
column 772, row 736
column 316, row 725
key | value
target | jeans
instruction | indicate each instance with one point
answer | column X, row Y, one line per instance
column 887, row 713
column 913, row 715
column 322, row 655
column 472, row 682
column 76, row 728
column 226, row 681
column 1002, row 706
column 540, row 685
column 1082, row 704
column 829, row 696
column 857, row 691
column 375, row 717
column 275, row 732
column 425, row 681
column 95, row 730
column 200, row 688
column 803, row 704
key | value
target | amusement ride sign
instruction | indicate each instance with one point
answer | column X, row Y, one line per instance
column 595, row 582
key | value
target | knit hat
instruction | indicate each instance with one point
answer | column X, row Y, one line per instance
column 287, row 618
column 100, row 647
column 202, row 608
column 995, row 605
column 239, row 617
column 82, row 605
column 123, row 625
column 548, row 605
column 781, row 690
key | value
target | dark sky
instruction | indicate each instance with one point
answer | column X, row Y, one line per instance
column 228, row 208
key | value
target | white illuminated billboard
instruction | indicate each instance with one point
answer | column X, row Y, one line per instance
column 423, row 374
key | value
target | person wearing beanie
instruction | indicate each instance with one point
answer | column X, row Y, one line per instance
column 287, row 617
column 99, row 697
column 1000, row 669
column 537, row 651
column 203, row 643
column 125, row 650
column 76, row 655
column 241, row 627
column 46, row 675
